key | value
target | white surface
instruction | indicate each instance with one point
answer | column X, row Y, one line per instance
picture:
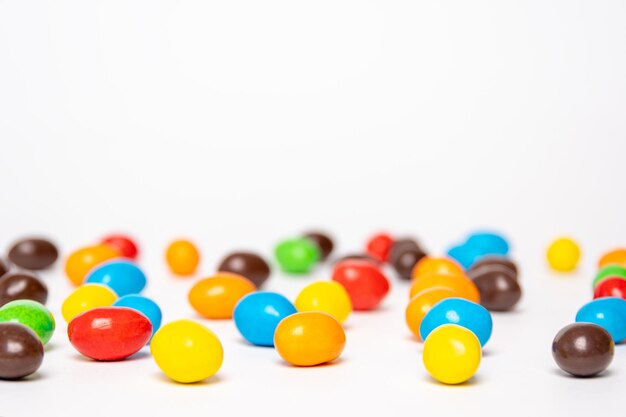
column 239, row 123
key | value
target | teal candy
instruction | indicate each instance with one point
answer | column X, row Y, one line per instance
column 31, row 314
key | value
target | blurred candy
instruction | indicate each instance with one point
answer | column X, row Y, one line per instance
column 247, row 264
column 472, row 316
column 421, row 304
column 452, row 354
column 122, row 276
column 4, row 268
column 610, row 287
column 404, row 255
column 257, row 315
column 499, row 290
column 379, row 246
column 323, row 241
column 22, row 286
column 33, row 253
column 80, row 262
column 328, row 297
column 21, row 351
column 31, row 314
column 563, row 254
column 366, row 285
column 145, row 306
column 182, row 257
column 491, row 260
column 442, row 266
column 123, row 244
column 216, row 297
column 614, row 257
column 465, row 254
column 87, row 297
column 489, row 243
column 297, row 256
column 609, row 271
column 464, row 287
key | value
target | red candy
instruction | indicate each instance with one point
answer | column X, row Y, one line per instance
column 379, row 246
column 109, row 333
column 123, row 244
column 365, row 283
column 611, row 287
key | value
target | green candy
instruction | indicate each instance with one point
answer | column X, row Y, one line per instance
column 297, row 256
column 609, row 271
column 30, row 314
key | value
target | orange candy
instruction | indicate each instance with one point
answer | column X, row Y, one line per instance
column 422, row 302
column 182, row 257
column 216, row 297
column 443, row 266
column 459, row 283
column 614, row 257
column 81, row 261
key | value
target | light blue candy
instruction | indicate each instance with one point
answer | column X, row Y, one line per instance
column 123, row 277
column 257, row 314
column 489, row 243
column 465, row 255
column 608, row 312
column 462, row 312
column 144, row 305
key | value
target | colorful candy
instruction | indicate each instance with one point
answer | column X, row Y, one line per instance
column 498, row 287
column 613, row 257
column 87, row 297
column 258, row 313
column 309, row 339
column 366, row 285
column 21, row 351
column 494, row 260
column 323, row 242
column 466, row 255
column 31, row 314
column 404, row 255
column 187, row 351
column 328, row 297
column 464, row 313
column 442, row 266
column 183, row 257
column 452, row 354
column 145, row 306
column 608, row 312
column 489, row 243
column 464, row 287
column 123, row 244
column 379, row 246
column 247, row 264
column 422, row 302
column 80, row 262
column 216, row 297
column 609, row 271
column 22, row 286
column 583, row 349
column 122, row 276
column 297, row 256
column 563, row 254
column 608, row 287
column 33, row 254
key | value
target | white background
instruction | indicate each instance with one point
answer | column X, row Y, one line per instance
column 238, row 123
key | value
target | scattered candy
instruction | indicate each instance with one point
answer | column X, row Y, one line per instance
column 404, row 255
column 489, row 243
column 491, row 260
column 421, row 303
column 33, row 254
column 464, row 287
column 466, row 255
column 323, row 241
column 247, row 264
column 441, row 266
column 609, row 271
column 258, row 313
column 216, row 297
column 123, row 244
column 464, row 313
column 583, row 349
column 563, row 254
column 614, row 257
column 297, row 256
column 609, row 287
column 80, row 262
column 109, row 333
column 22, row 286
column 21, row 351
column 608, row 312
column 187, row 351
column 31, row 314
column 183, row 257
column 379, row 246
column 328, row 297
column 452, row 354
column 145, row 306
column 309, row 339
column 122, row 276
column 498, row 287
column 366, row 285
column 87, row 297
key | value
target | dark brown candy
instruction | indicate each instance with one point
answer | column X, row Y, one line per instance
column 33, row 254
column 491, row 260
column 21, row 351
column 404, row 254
column 4, row 268
column 248, row 264
column 22, row 286
column 323, row 242
column 358, row 256
column 498, row 288
column 583, row 349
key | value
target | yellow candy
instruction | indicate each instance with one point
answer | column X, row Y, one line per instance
column 563, row 255
column 326, row 296
column 187, row 351
column 87, row 297
column 451, row 354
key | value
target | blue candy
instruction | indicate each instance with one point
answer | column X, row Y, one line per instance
column 462, row 312
column 144, row 305
column 257, row 314
column 465, row 254
column 488, row 243
column 608, row 312
column 123, row 277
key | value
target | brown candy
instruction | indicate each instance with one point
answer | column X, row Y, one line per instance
column 22, row 286
column 323, row 242
column 33, row 254
column 498, row 288
column 248, row 264
column 583, row 349
column 404, row 254
column 4, row 268
column 21, row 351
column 492, row 260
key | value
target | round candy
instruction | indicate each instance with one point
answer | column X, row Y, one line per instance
column 608, row 287
column 459, row 311
column 614, row 271
column 183, row 257
column 309, row 339
column 297, row 256
column 21, row 351
column 492, row 260
column 583, row 349
column 366, row 285
column 31, row 314
column 122, row 276
column 258, row 313
column 452, row 354
column 379, row 246
column 187, row 351
column 145, row 306
column 442, row 266
column 614, row 257
column 323, row 241
column 328, row 297
column 465, row 254
column 499, row 290
column 404, row 255
column 489, row 243
column 247, row 264
column 563, row 254
column 421, row 303
column 608, row 312
column 216, row 297
column 22, row 286
column 4, row 268
column 123, row 244
column 33, row 254
column 80, row 262
column 464, row 287
column 85, row 298
column 109, row 333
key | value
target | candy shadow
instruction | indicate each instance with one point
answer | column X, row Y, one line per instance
column 336, row 362
column 473, row 381
column 137, row 356
column 215, row 379
column 604, row 374
column 37, row 376
column 50, row 347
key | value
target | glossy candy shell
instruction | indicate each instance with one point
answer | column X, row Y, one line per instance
column 21, row 351
column 80, row 262
column 452, row 354
column 216, row 297
column 31, row 314
column 608, row 312
column 122, row 276
column 366, row 285
column 145, row 306
column 257, row 314
column 464, row 313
